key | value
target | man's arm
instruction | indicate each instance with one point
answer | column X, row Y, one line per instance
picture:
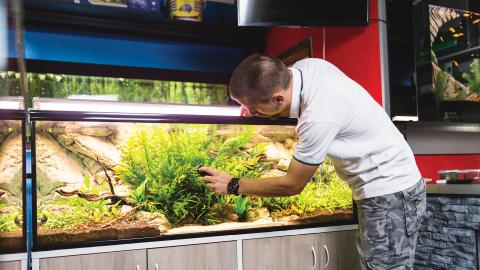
column 292, row 183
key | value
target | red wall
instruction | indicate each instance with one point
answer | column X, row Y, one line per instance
column 430, row 164
column 356, row 51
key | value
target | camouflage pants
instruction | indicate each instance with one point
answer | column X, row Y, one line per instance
column 388, row 227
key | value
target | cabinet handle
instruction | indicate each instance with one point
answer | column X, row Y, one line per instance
column 328, row 255
column 314, row 258
column 156, row 266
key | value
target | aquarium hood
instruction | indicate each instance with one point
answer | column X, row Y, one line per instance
column 77, row 105
column 11, row 103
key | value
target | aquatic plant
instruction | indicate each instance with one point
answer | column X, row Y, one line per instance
column 474, row 78
column 325, row 191
column 441, row 85
column 76, row 212
column 166, row 162
column 241, row 206
column 7, row 220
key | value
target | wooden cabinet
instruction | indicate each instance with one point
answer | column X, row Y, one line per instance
column 337, row 251
column 125, row 260
column 281, row 253
column 324, row 251
column 10, row 265
column 216, row 256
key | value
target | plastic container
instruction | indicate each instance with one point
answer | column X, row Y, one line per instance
column 186, row 10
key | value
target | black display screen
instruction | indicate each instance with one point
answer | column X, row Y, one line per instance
column 302, row 12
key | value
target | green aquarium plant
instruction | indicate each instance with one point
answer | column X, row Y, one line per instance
column 7, row 220
column 241, row 207
column 473, row 79
column 75, row 212
column 165, row 161
column 441, row 85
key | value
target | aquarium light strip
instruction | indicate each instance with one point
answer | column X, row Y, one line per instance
column 11, row 103
column 129, row 107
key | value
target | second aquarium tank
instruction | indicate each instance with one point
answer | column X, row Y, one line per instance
column 109, row 176
column 12, row 230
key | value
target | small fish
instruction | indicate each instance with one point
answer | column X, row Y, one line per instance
column 455, row 63
column 466, row 14
column 476, row 21
column 452, row 30
column 458, row 35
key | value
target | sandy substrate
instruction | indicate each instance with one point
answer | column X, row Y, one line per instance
column 138, row 229
column 11, row 241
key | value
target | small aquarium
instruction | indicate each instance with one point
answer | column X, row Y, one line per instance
column 12, row 234
column 117, row 174
column 448, row 61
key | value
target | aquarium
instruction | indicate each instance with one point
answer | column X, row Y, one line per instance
column 12, row 234
column 448, row 67
column 108, row 176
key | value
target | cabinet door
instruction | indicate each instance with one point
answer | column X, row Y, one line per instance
column 125, row 260
column 216, row 256
column 281, row 253
column 10, row 265
column 338, row 251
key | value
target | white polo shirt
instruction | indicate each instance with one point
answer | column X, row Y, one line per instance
column 339, row 119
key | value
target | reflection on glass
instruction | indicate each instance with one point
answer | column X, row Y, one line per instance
column 11, row 217
column 99, row 181
column 121, row 89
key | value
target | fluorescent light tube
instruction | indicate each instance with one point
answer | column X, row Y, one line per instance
column 11, row 103
column 76, row 105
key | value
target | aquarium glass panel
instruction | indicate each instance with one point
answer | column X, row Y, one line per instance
column 454, row 50
column 116, row 89
column 11, row 182
column 99, row 181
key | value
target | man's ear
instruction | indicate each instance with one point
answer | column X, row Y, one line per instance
column 278, row 98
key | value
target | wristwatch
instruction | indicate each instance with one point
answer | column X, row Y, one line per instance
column 233, row 186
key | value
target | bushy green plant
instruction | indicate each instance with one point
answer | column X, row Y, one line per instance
column 325, row 191
column 474, row 78
column 441, row 85
column 75, row 212
column 166, row 163
column 7, row 220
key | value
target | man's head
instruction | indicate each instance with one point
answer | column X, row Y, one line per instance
column 262, row 85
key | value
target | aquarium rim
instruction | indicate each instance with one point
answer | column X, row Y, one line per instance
column 12, row 114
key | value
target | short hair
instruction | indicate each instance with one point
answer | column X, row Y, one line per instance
column 258, row 77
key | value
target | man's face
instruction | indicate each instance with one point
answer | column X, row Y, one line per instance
column 272, row 109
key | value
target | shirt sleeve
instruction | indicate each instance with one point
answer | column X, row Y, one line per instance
column 315, row 139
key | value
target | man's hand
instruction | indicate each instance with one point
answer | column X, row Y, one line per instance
column 216, row 180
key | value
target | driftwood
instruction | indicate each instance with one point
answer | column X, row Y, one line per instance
column 109, row 180
column 94, row 197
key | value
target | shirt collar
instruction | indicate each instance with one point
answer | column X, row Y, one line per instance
column 296, row 92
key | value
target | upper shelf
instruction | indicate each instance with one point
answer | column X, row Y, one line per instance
column 219, row 27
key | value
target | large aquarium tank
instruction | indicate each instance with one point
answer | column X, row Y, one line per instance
column 106, row 172
column 448, row 60
column 12, row 195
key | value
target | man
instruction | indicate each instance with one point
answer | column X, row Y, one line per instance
column 338, row 118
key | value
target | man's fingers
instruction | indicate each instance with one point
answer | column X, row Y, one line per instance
column 211, row 186
column 245, row 112
column 208, row 170
column 209, row 179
